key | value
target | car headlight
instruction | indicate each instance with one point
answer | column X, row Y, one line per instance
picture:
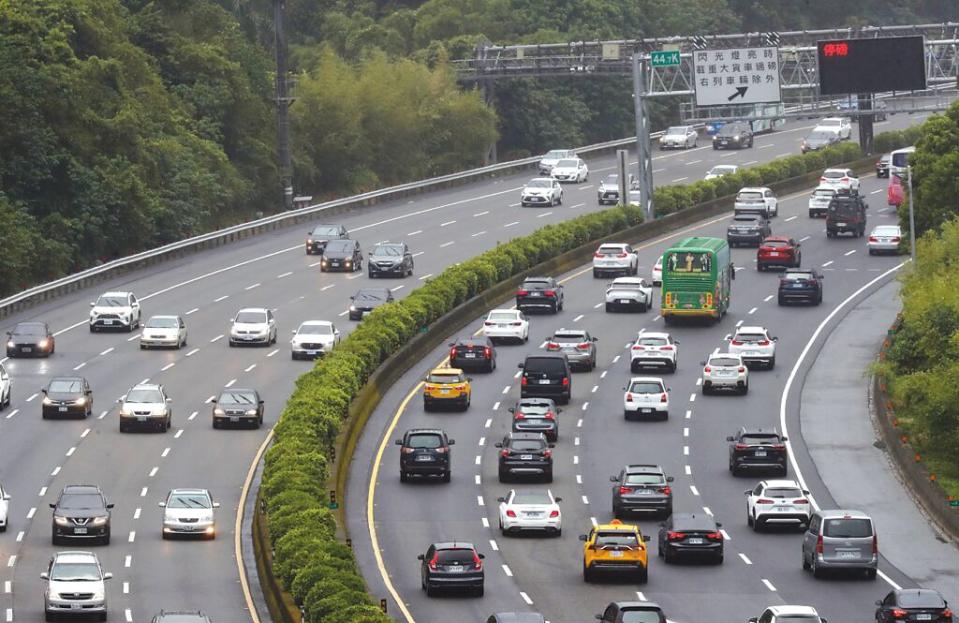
column 94, row 313
column 348, row 262
column 10, row 344
column 219, row 411
column 61, row 521
column 43, row 343
column 125, row 412
column 82, row 400
column 99, row 521
column 353, row 308
column 309, row 241
column 47, row 401
column 98, row 595
column 251, row 412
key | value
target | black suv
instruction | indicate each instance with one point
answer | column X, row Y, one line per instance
column 642, row 489
column 690, row 534
column 525, row 454
column 737, row 135
column 343, row 255
column 627, row 611
column 546, row 376
column 180, row 616
column 425, row 452
column 30, row 339
column 81, row 512
column 536, row 415
column 846, row 214
column 390, row 258
column 800, row 285
column 451, row 565
column 757, row 448
column 316, row 240
column 367, row 299
column 749, row 229
column 540, row 293
column 473, row 353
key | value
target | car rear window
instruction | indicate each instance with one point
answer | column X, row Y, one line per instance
column 775, row 243
column 834, row 174
column 620, row 539
column 454, row 556
column 749, row 196
column 643, row 479
column 750, row 337
column 424, row 441
column 651, row 341
column 847, row 528
column 921, row 599
column 797, row 619
column 782, row 492
column 445, row 378
column 797, row 276
column 640, row 616
column 533, row 410
column 522, row 445
column 568, row 338
column 824, row 193
column 532, row 283
column 724, row 361
column 503, row 316
column 610, row 250
column 531, row 497
column 745, row 219
column 545, row 365
column 760, row 439
column 645, row 387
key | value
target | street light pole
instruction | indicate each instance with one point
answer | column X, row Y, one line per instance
column 912, row 217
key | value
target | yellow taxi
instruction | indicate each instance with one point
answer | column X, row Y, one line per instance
column 446, row 386
column 615, row 547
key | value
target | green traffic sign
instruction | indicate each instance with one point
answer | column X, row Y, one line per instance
column 953, row 502
column 664, row 59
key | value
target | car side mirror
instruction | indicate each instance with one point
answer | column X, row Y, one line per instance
column 169, row 400
column 614, row 478
column 662, row 524
column 805, row 492
column 702, row 363
column 336, row 332
column 52, row 505
column 500, row 499
column 670, row 479
column 420, row 557
column 261, row 401
column 216, row 505
column 512, row 410
column 44, row 576
column 645, row 538
column 752, row 620
column 481, row 556
column 719, row 524
column 110, row 505
column 498, row 445
column 558, row 499
column 747, row 491
column 677, row 342
column 582, row 537
column 119, row 401
column 6, row 496
column 728, row 335
column 878, row 602
column 93, row 304
column 730, row 439
column 785, row 438
column 88, row 392
column 161, row 504
column 399, row 442
column 469, row 379
column 595, row 339
column 669, row 389
column 352, row 298
column 598, row 617
column 107, row 576
column 451, row 344
column 732, row 273
column 293, row 331
column 43, row 391
column 520, row 365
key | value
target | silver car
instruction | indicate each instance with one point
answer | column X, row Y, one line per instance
column 884, row 239
column 549, row 160
column 541, row 191
column 75, row 585
column 840, row 539
column 578, row 346
column 253, row 325
column 146, row 405
column 725, row 371
column 679, row 137
column 160, row 331
column 189, row 512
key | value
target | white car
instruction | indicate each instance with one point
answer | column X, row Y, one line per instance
column 6, row 387
column 777, row 502
column 616, row 258
column 884, row 239
column 819, row 200
column 657, row 272
column 75, row 584
column 253, row 325
column 754, row 345
column 4, row 508
column 725, row 371
column 189, row 512
column 549, row 160
column 841, row 126
column 679, row 137
column 646, row 396
column 570, row 170
column 788, row 614
column 720, row 170
column 146, row 405
column 537, row 510
column 506, row 324
column 163, row 331
column 115, row 310
column 629, row 293
column 653, row 349
column 756, row 200
column 541, row 191
column 840, row 178
column 608, row 191
column 314, row 338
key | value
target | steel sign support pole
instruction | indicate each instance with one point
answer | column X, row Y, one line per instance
column 642, row 138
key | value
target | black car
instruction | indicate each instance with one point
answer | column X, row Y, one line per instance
column 238, row 407
column 425, row 452
column 367, row 299
column 632, row 612
column 180, row 616
column 800, row 285
column 342, row 255
column 912, row 605
column 525, row 454
column 642, row 489
column 546, row 376
column 819, row 140
column 316, row 240
column 736, row 135
column 30, row 339
column 536, row 415
column 882, row 165
column 390, row 259
column 690, row 535
column 454, row 565
column 516, row 617
column 757, row 448
column 473, row 353
column 540, row 293
column 81, row 512
column 750, row 229
column 66, row 396
column 846, row 214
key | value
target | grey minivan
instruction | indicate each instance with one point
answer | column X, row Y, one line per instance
column 840, row 539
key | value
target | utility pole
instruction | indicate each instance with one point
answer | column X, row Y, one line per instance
column 642, row 138
column 283, row 101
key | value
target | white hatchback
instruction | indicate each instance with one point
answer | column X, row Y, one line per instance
column 725, row 371
column 754, row 345
column 777, row 502
column 161, row 331
column 522, row 511
column 314, row 338
column 615, row 258
column 657, row 273
column 654, row 350
column 646, row 396
column 506, row 324
column 570, row 170
column 720, row 170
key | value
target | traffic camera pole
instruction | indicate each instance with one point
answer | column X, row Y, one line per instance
column 642, row 138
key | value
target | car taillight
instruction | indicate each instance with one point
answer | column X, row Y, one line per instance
column 517, row 324
column 511, row 513
column 522, row 292
column 736, row 343
column 550, row 293
column 548, row 453
column 629, row 397
column 763, row 343
column 442, row 450
column 801, row 501
column 504, row 452
column 666, row 348
column 741, row 446
column 433, row 561
column 488, row 352
column 598, row 255
column 666, row 490
column 550, row 415
column 873, row 239
column 819, row 545
column 779, row 446
column 489, row 324
column 453, row 353
column 552, row 346
column 554, row 514
column 407, row 450
column 620, row 255
column 675, row 536
column 899, row 613
column 707, row 369
column 638, row 347
column 895, row 239
column 875, row 545
column 519, row 415
column 764, row 501
column 663, row 397
column 625, row 489
column 523, row 381
column 477, row 562
column 715, row 536
column 946, row 614
column 741, row 369
column 460, row 388
column 565, row 381
column 583, row 346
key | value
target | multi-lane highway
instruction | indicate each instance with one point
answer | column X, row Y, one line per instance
column 38, row 457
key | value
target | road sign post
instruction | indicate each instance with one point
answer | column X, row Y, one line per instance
column 642, row 140
column 666, row 58
column 736, row 76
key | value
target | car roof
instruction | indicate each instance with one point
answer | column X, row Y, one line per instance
column 747, row 217
column 175, row 316
column 384, row 292
column 614, row 244
column 115, row 293
column 321, row 322
column 751, row 329
column 532, row 278
column 547, row 356
column 637, row 605
column 789, row 271
column 184, row 491
column 72, row 556
column 839, row 513
column 756, row 430
column 532, row 401
column 661, row 334
column 789, row 610
column 30, row 323
column 838, row 170
column 828, row 187
column 146, row 386
column 643, row 468
column 512, row 311
column 617, row 525
column 472, row 339
column 781, row 483
column 446, row 371
column 891, row 227
column 425, row 431
column 570, row 331
column 754, row 189
column 81, row 489
column 252, row 309
column 66, row 378
column 228, row 390
column 733, row 355
column 646, row 379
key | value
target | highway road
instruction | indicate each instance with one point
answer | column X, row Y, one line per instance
column 38, row 457
column 544, row 574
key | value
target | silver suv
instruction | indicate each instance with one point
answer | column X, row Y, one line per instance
column 578, row 346
column 253, row 325
column 840, row 539
column 146, row 405
column 76, row 585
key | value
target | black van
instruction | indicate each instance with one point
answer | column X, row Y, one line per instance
column 546, row 376
column 846, row 214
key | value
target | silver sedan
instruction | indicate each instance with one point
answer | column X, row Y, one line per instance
column 884, row 239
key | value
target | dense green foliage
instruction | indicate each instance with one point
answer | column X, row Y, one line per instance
column 935, row 172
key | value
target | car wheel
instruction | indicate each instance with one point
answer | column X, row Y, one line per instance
column 216, row 423
column 816, row 572
column 123, row 426
column 643, row 575
column 555, row 308
column 478, row 591
column 760, row 268
column 745, row 389
column 609, row 307
column 819, row 299
column 871, row 574
column 755, row 523
column 106, row 539
column 430, row 591
column 642, row 307
column 667, row 557
column 805, row 563
column 587, row 574
column 503, row 476
column 595, row 273
column 403, row 476
column 48, row 616
column 781, row 301
column 772, row 362
column 447, row 476
column 548, row 476
column 749, row 518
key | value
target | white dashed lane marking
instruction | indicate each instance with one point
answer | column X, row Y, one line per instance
column 526, row 598
column 769, row 585
column 827, row 263
column 745, row 559
column 848, row 253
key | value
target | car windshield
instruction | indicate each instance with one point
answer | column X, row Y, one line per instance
column 679, row 129
column 640, row 616
column 326, row 230
column 315, row 328
column 823, row 193
column 651, row 341
column 370, row 296
column 567, row 338
column 798, row 276
column 921, row 599
column 616, row 539
column 749, row 337
column 611, row 180
column 70, row 386
column 645, row 387
column 643, row 479
column 759, row 439
column 782, row 492
column 29, row 328
column 525, row 445
column 251, row 317
column 556, row 153
column 112, row 301
column 779, row 244
column 886, row 231
column 830, row 123
column 339, row 246
column 390, row 250
column 237, row 398
column 724, row 361
column 847, row 528
column 821, row 136
column 539, row 184
column 531, row 497
column 75, row 572
column 144, row 396
column 503, row 315
column 572, row 164
column 81, row 501
column 445, row 378
column 722, row 169
column 162, row 322
column 749, row 196
column 454, row 556
column 424, row 441
column 189, row 500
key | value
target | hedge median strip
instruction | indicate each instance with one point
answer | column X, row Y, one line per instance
column 309, row 560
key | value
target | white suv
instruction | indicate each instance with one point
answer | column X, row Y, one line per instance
column 115, row 310
column 629, row 292
column 541, row 191
column 840, row 178
column 777, row 502
column 653, row 349
column 314, row 338
column 146, row 405
column 646, row 395
column 75, row 584
column 840, row 126
column 756, row 200
column 616, row 258
column 253, row 325
column 754, row 345
column 725, row 371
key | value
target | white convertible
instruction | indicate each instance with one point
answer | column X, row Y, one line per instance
column 629, row 293
column 530, row 510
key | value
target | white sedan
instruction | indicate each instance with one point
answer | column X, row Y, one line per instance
column 777, row 502
column 530, row 510
column 720, row 170
column 629, row 293
column 884, row 239
column 541, row 191
column 570, row 170
column 616, row 258
column 163, row 331
column 506, row 324
column 657, row 273
column 754, row 345
column 4, row 508
column 646, row 396
column 314, row 338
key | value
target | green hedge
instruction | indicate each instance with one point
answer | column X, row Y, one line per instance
column 318, row 571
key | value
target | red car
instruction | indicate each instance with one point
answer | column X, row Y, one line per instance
column 778, row 251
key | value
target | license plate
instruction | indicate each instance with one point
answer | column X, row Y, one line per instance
column 470, row 355
column 62, row 409
column 840, row 224
column 455, row 569
column 107, row 322
column 695, row 541
column 616, row 554
column 923, row 617
column 784, row 509
column 725, row 374
column 335, row 263
column 646, row 410
column 234, row 418
column 76, row 606
column 544, row 381
column 795, row 285
column 774, row 254
column 760, row 453
column 526, row 457
column 423, row 458
column 535, row 294
column 79, row 531
column 444, row 391
column 848, row 554
column 752, row 353
column 141, row 418
column 534, row 514
column 29, row 349
column 623, row 301
column 644, row 492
